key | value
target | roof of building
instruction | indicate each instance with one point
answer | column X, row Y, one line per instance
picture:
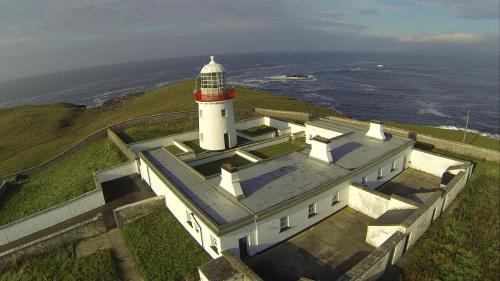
column 274, row 181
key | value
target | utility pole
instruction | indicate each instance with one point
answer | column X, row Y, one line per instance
column 466, row 124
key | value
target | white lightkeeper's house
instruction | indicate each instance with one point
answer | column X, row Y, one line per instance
column 248, row 209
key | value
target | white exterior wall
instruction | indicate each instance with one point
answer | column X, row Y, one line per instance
column 430, row 163
column 178, row 209
column 372, row 173
column 278, row 124
column 50, row 217
column 249, row 123
column 268, row 229
column 118, row 171
column 312, row 131
column 213, row 126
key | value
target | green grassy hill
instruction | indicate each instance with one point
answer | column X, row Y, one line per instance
column 33, row 134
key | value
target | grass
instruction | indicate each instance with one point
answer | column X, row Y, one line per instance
column 258, row 130
column 454, row 135
column 59, row 182
column 163, row 249
column 214, row 167
column 463, row 244
column 278, row 149
column 194, row 145
column 174, row 149
column 60, row 265
column 151, row 131
column 34, row 133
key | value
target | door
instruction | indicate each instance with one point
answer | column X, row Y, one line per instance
column 406, row 243
column 405, row 162
column 226, row 140
column 243, row 247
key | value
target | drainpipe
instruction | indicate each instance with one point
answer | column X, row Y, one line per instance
column 199, row 227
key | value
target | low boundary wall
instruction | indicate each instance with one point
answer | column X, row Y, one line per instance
column 136, row 210
column 294, row 115
column 102, row 133
column 83, row 230
column 115, row 172
column 375, row 264
column 52, row 216
column 122, row 146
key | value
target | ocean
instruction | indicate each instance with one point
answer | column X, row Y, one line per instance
column 406, row 88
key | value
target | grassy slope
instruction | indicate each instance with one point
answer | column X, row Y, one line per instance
column 32, row 134
column 59, row 265
column 471, row 138
column 463, row 244
column 162, row 247
column 59, row 182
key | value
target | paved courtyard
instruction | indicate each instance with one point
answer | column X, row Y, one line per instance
column 414, row 185
column 323, row 252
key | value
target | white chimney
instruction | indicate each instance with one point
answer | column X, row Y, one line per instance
column 321, row 149
column 230, row 180
column 376, row 130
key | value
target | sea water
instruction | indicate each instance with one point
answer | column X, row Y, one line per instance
column 412, row 89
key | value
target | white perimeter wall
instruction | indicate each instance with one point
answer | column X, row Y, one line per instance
column 118, row 171
column 312, row 131
column 51, row 217
column 430, row 163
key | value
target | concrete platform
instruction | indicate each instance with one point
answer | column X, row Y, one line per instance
column 414, row 185
column 324, row 252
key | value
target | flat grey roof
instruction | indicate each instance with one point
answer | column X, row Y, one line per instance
column 269, row 183
column 353, row 149
column 202, row 193
column 273, row 181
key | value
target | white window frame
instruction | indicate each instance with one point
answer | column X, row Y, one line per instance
column 364, row 179
column 311, row 210
column 380, row 174
column 284, row 223
column 213, row 243
column 393, row 166
column 335, row 198
column 189, row 218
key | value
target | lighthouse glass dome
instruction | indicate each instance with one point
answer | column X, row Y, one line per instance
column 213, row 75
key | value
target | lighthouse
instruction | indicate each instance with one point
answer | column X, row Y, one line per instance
column 215, row 108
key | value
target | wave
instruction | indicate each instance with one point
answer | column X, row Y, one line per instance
column 481, row 133
column 430, row 108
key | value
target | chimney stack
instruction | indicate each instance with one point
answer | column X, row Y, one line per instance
column 376, row 130
column 230, row 180
column 321, row 149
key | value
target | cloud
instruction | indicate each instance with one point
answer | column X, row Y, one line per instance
column 467, row 38
column 469, row 9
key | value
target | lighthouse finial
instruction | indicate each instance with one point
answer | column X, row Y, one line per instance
column 212, row 59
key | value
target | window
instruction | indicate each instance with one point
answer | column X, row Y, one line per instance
column 213, row 243
column 201, row 113
column 284, row 224
column 335, row 199
column 312, row 210
column 201, row 136
column 364, row 180
column 393, row 166
column 197, row 228
column 380, row 174
column 188, row 218
column 223, row 112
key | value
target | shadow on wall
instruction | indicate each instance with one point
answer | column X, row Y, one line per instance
column 281, row 264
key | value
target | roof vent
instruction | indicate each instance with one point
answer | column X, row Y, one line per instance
column 321, row 149
column 376, row 130
column 230, row 180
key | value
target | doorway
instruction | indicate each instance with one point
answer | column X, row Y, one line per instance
column 243, row 247
column 226, row 140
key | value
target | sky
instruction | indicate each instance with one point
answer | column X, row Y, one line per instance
column 42, row 36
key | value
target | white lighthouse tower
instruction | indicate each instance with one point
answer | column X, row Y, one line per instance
column 215, row 108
